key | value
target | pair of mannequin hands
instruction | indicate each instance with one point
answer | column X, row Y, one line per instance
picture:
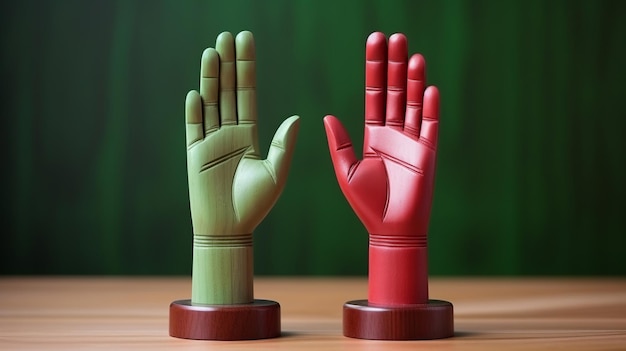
column 390, row 188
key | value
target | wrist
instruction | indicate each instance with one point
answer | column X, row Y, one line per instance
column 398, row 270
column 222, row 270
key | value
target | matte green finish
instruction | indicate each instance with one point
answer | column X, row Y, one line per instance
column 231, row 189
column 222, row 275
column 530, row 173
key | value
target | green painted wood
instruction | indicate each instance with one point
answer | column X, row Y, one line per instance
column 231, row 189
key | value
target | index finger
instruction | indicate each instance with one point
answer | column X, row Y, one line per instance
column 375, row 79
column 246, row 78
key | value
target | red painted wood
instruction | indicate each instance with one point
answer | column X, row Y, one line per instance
column 391, row 187
column 391, row 287
column 257, row 320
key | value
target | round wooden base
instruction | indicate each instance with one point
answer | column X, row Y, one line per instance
column 433, row 320
column 257, row 320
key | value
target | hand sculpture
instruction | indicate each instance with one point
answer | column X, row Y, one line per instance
column 391, row 188
column 231, row 189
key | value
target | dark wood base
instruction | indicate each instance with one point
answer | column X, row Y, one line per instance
column 257, row 320
column 433, row 320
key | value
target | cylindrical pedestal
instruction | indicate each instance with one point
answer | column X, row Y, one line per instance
column 257, row 320
column 433, row 320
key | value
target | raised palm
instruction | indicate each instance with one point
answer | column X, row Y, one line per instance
column 390, row 189
column 231, row 188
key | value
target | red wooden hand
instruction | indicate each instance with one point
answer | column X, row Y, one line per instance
column 391, row 188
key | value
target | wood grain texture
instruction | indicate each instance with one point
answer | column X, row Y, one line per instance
column 231, row 189
column 432, row 320
column 131, row 313
column 391, row 188
column 257, row 320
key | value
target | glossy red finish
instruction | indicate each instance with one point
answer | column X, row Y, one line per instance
column 391, row 187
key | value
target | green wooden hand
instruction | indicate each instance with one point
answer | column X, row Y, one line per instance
column 231, row 189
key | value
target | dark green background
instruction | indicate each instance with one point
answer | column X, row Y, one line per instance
column 531, row 169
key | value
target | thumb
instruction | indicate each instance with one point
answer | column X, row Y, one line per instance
column 340, row 146
column 282, row 146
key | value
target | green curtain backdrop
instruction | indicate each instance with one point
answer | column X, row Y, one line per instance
column 531, row 166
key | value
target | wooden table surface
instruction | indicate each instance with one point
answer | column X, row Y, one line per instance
column 131, row 313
